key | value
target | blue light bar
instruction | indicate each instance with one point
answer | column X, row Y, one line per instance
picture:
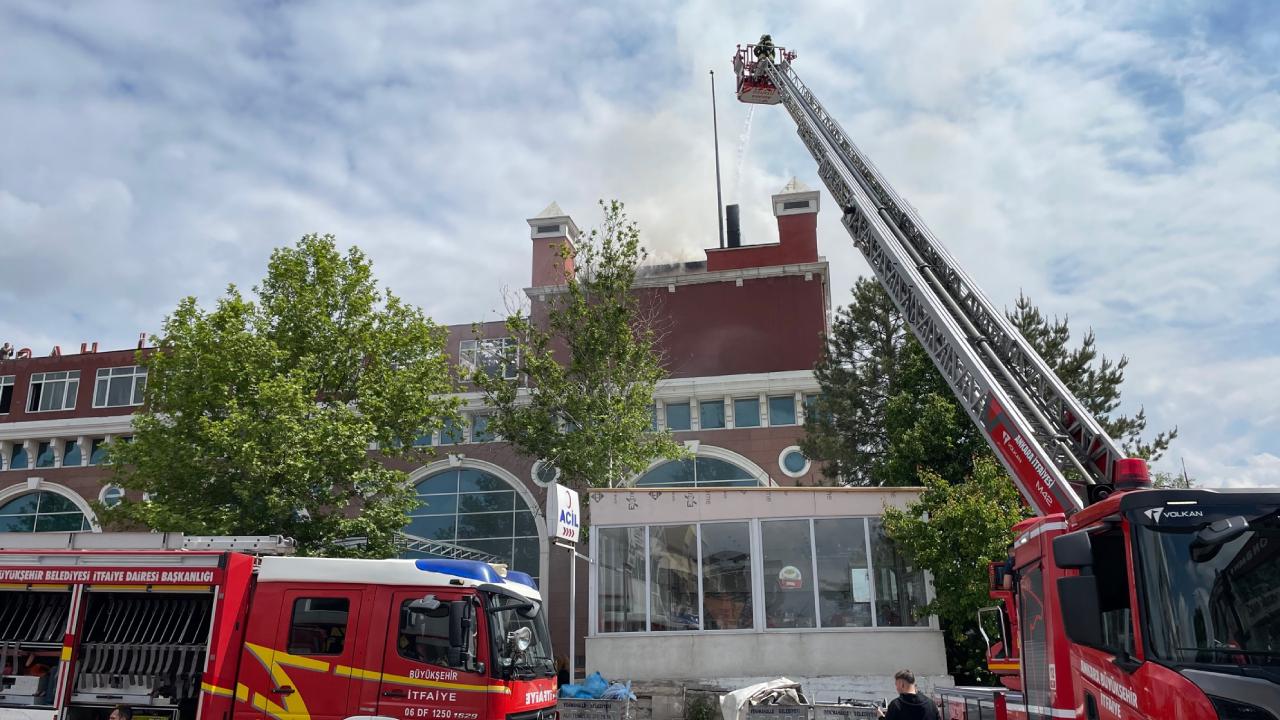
column 469, row 569
column 522, row 578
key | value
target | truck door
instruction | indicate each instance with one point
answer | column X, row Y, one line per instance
column 419, row 679
column 303, row 669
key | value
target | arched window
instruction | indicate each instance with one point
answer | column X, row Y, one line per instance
column 480, row 511
column 42, row 511
column 698, row 472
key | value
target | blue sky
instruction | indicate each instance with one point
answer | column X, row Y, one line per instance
column 1119, row 165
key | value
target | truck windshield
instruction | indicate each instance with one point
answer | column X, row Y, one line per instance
column 509, row 615
column 1210, row 600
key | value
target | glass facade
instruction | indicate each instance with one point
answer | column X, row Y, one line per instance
column 42, row 511
column 798, row 574
column 746, row 412
column 698, row 472
column 711, row 414
column 71, row 454
column 479, row 511
column 782, row 410
column 678, row 416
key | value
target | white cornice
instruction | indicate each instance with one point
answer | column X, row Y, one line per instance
column 66, row 427
column 711, row 276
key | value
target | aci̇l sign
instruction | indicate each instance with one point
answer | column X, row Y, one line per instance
column 564, row 513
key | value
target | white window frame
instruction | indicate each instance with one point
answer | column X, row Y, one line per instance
column 506, row 349
column 782, row 465
column 756, row 542
column 6, row 381
column 67, row 377
column 107, row 374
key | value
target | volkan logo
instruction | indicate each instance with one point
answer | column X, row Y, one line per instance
column 1157, row 514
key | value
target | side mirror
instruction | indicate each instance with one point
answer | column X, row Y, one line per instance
column 1073, row 551
column 1210, row 538
column 459, row 630
column 1078, row 608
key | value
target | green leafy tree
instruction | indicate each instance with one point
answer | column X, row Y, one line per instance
column 1172, row 481
column 884, row 410
column 886, row 417
column 259, row 415
column 954, row 531
column 1094, row 378
column 587, row 364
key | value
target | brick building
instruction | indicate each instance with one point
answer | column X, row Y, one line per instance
column 740, row 334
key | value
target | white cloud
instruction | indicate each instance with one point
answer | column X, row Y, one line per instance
column 1118, row 167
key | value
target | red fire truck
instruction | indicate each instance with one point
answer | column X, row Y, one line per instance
column 1117, row 601
column 232, row 628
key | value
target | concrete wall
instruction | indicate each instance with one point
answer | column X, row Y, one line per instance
column 879, row 652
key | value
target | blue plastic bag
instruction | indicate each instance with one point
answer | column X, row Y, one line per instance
column 619, row 691
column 595, row 685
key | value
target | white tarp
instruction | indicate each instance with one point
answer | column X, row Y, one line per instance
column 733, row 705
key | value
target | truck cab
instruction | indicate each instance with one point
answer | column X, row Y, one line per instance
column 174, row 631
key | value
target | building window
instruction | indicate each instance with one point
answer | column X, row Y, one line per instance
column 53, row 391
column 782, row 410
column 678, row 416
column 815, row 573
column 120, row 386
column 111, row 495
column 42, row 511
column 424, row 633
column 544, row 473
column 496, row 357
column 6, row 394
column 18, row 456
column 792, row 462
column 620, row 599
column 900, row 588
column 844, row 575
column 726, row 576
column 788, row 573
column 477, row 511
column 450, row 432
column 810, row 406
column 711, row 414
column 480, row 431
column 673, row 578
column 45, row 455
column 746, row 412
column 698, row 472
column 653, row 418
column 318, row 626
column 98, row 451
column 71, row 454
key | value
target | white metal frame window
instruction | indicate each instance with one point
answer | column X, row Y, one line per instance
column 864, row 582
column 497, row 357
column 52, row 391
column 119, row 386
column 6, row 394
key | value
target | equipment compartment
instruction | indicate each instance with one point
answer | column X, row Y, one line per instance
column 142, row 648
column 32, row 624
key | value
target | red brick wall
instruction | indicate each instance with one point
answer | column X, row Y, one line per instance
column 767, row 325
column 87, row 364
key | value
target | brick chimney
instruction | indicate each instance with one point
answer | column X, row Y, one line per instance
column 551, row 230
column 796, row 208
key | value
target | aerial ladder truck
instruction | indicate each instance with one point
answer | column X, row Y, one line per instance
column 1118, row 600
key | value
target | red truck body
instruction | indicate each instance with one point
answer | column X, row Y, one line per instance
column 207, row 635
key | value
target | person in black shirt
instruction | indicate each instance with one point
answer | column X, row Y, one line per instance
column 910, row 704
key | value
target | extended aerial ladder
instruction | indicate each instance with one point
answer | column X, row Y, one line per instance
column 1041, row 432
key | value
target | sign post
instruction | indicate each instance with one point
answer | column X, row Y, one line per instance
column 564, row 513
